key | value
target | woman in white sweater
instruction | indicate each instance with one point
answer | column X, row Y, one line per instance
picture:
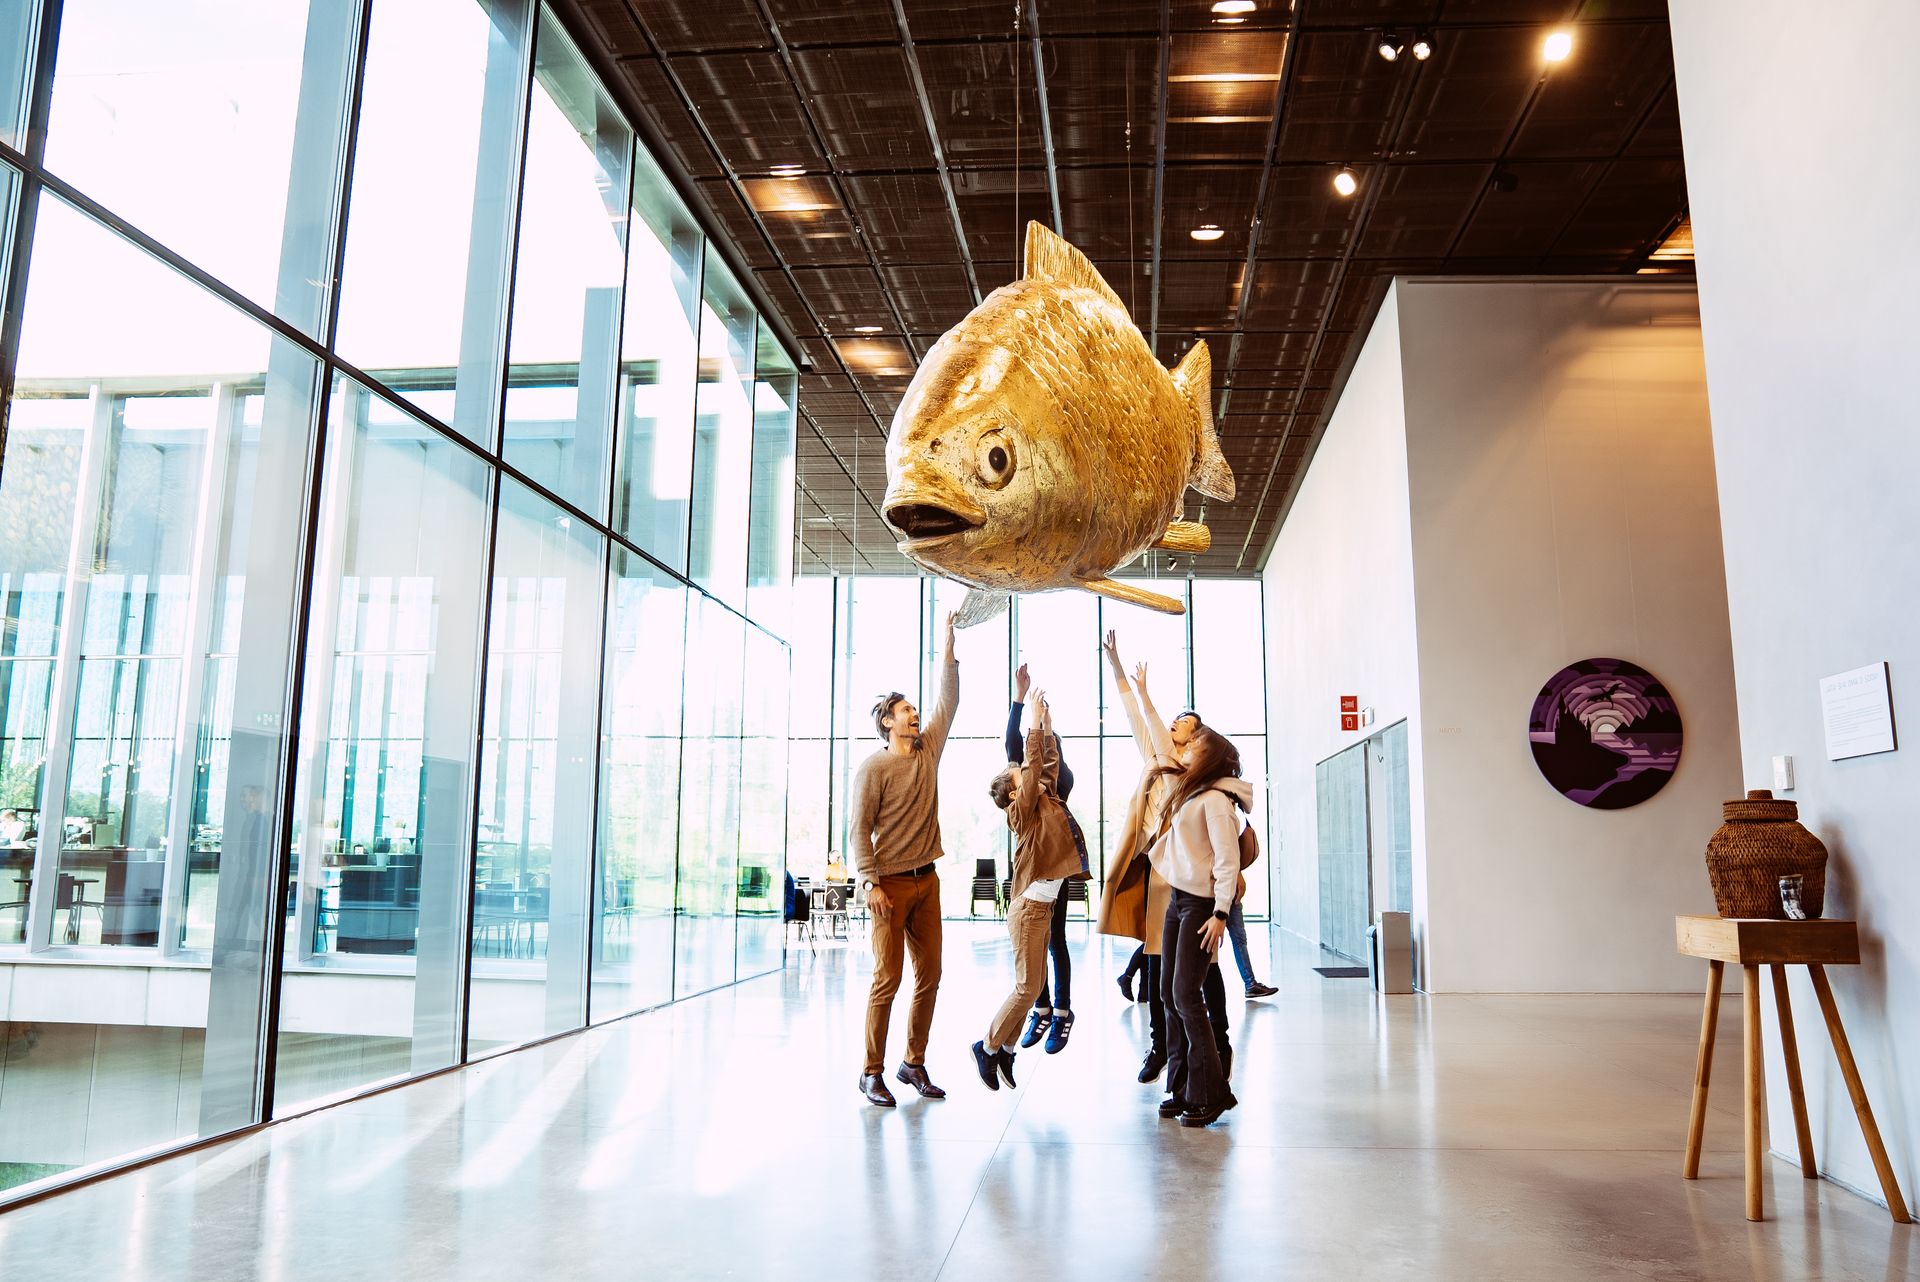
column 1199, row 858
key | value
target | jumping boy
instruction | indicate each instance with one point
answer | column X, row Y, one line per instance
column 1044, row 856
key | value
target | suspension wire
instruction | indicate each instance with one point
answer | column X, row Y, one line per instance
column 1018, row 255
column 1133, row 246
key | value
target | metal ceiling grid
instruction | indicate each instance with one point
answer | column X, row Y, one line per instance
column 928, row 131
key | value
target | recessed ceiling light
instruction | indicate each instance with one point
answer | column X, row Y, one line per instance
column 1207, row 231
column 1558, row 46
column 788, row 171
column 1234, row 6
column 866, row 329
column 1227, row 22
column 1390, row 46
column 1345, row 182
column 1422, row 47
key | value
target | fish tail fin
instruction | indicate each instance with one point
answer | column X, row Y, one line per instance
column 1193, row 379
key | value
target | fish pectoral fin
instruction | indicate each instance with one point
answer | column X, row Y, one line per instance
column 1185, row 536
column 978, row 606
column 1193, row 379
column 1132, row 595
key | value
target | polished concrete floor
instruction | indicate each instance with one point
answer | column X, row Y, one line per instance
column 1377, row 1138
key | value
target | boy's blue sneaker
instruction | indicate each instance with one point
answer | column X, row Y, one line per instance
column 1061, row 1030
column 1037, row 1023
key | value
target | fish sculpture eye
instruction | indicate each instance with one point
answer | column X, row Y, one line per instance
column 994, row 457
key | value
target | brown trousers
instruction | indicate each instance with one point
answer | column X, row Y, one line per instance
column 911, row 928
column 1029, row 922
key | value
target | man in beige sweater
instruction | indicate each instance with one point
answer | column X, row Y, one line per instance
column 896, row 850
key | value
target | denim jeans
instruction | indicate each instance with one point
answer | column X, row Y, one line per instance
column 1237, row 932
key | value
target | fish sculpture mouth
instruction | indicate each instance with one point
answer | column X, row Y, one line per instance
column 925, row 522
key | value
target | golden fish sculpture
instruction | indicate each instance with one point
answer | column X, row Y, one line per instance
column 1041, row 446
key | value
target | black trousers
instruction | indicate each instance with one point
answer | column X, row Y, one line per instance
column 1214, row 989
column 1062, row 985
column 1193, row 1051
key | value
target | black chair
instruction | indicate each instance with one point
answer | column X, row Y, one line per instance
column 70, row 896
column 985, row 886
column 1076, row 891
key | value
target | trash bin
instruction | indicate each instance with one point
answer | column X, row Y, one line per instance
column 1390, row 953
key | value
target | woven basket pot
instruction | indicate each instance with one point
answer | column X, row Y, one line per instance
column 1761, row 842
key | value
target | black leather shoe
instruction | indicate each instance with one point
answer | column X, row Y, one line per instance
column 983, row 1062
column 1206, row 1116
column 1126, row 986
column 1003, row 1060
column 915, row 1075
column 1151, row 1066
column 1257, row 989
column 1172, row 1106
column 875, row 1089
column 1037, row 1024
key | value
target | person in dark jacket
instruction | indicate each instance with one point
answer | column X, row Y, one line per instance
column 1052, row 1014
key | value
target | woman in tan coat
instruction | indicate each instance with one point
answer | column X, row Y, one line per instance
column 1134, row 901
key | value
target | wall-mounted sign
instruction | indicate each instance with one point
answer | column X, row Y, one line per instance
column 1605, row 733
column 1349, row 721
column 1349, row 703
column 1857, row 708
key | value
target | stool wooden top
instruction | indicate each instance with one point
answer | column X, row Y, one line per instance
column 1750, row 941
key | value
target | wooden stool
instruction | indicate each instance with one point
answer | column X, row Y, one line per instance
column 1753, row 943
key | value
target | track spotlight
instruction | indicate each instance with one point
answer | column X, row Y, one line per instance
column 1422, row 47
column 1390, row 46
column 1345, row 182
column 1559, row 44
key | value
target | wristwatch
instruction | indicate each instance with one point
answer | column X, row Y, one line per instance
column 1218, row 915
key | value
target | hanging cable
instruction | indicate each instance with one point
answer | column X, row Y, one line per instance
column 1018, row 253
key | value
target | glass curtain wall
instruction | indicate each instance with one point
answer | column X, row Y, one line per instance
column 387, row 529
column 857, row 637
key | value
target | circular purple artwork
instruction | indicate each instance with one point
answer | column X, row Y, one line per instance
column 1605, row 733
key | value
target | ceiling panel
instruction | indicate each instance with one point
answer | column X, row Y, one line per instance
column 856, row 96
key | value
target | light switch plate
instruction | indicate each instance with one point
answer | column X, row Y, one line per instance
column 1783, row 774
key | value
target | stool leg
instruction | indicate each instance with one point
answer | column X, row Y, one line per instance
column 1789, row 1046
column 1703, row 1070
column 1896, row 1204
column 1756, row 1086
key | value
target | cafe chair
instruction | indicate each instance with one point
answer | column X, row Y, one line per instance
column 70, row 897
column 986, row 885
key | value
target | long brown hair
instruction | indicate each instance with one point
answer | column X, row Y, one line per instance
column 1211, row 757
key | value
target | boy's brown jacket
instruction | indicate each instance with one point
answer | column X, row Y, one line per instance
column 1043, row 846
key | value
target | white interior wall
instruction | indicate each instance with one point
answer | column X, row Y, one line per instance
column 1803, row 213
column 1519, row 475
column 1339, row 606
column 1563, row 508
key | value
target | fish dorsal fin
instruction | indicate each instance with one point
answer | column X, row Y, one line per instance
column 1193, row 379
column 1051, row 258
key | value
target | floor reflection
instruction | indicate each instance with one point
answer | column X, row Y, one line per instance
column 1471, row 1137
